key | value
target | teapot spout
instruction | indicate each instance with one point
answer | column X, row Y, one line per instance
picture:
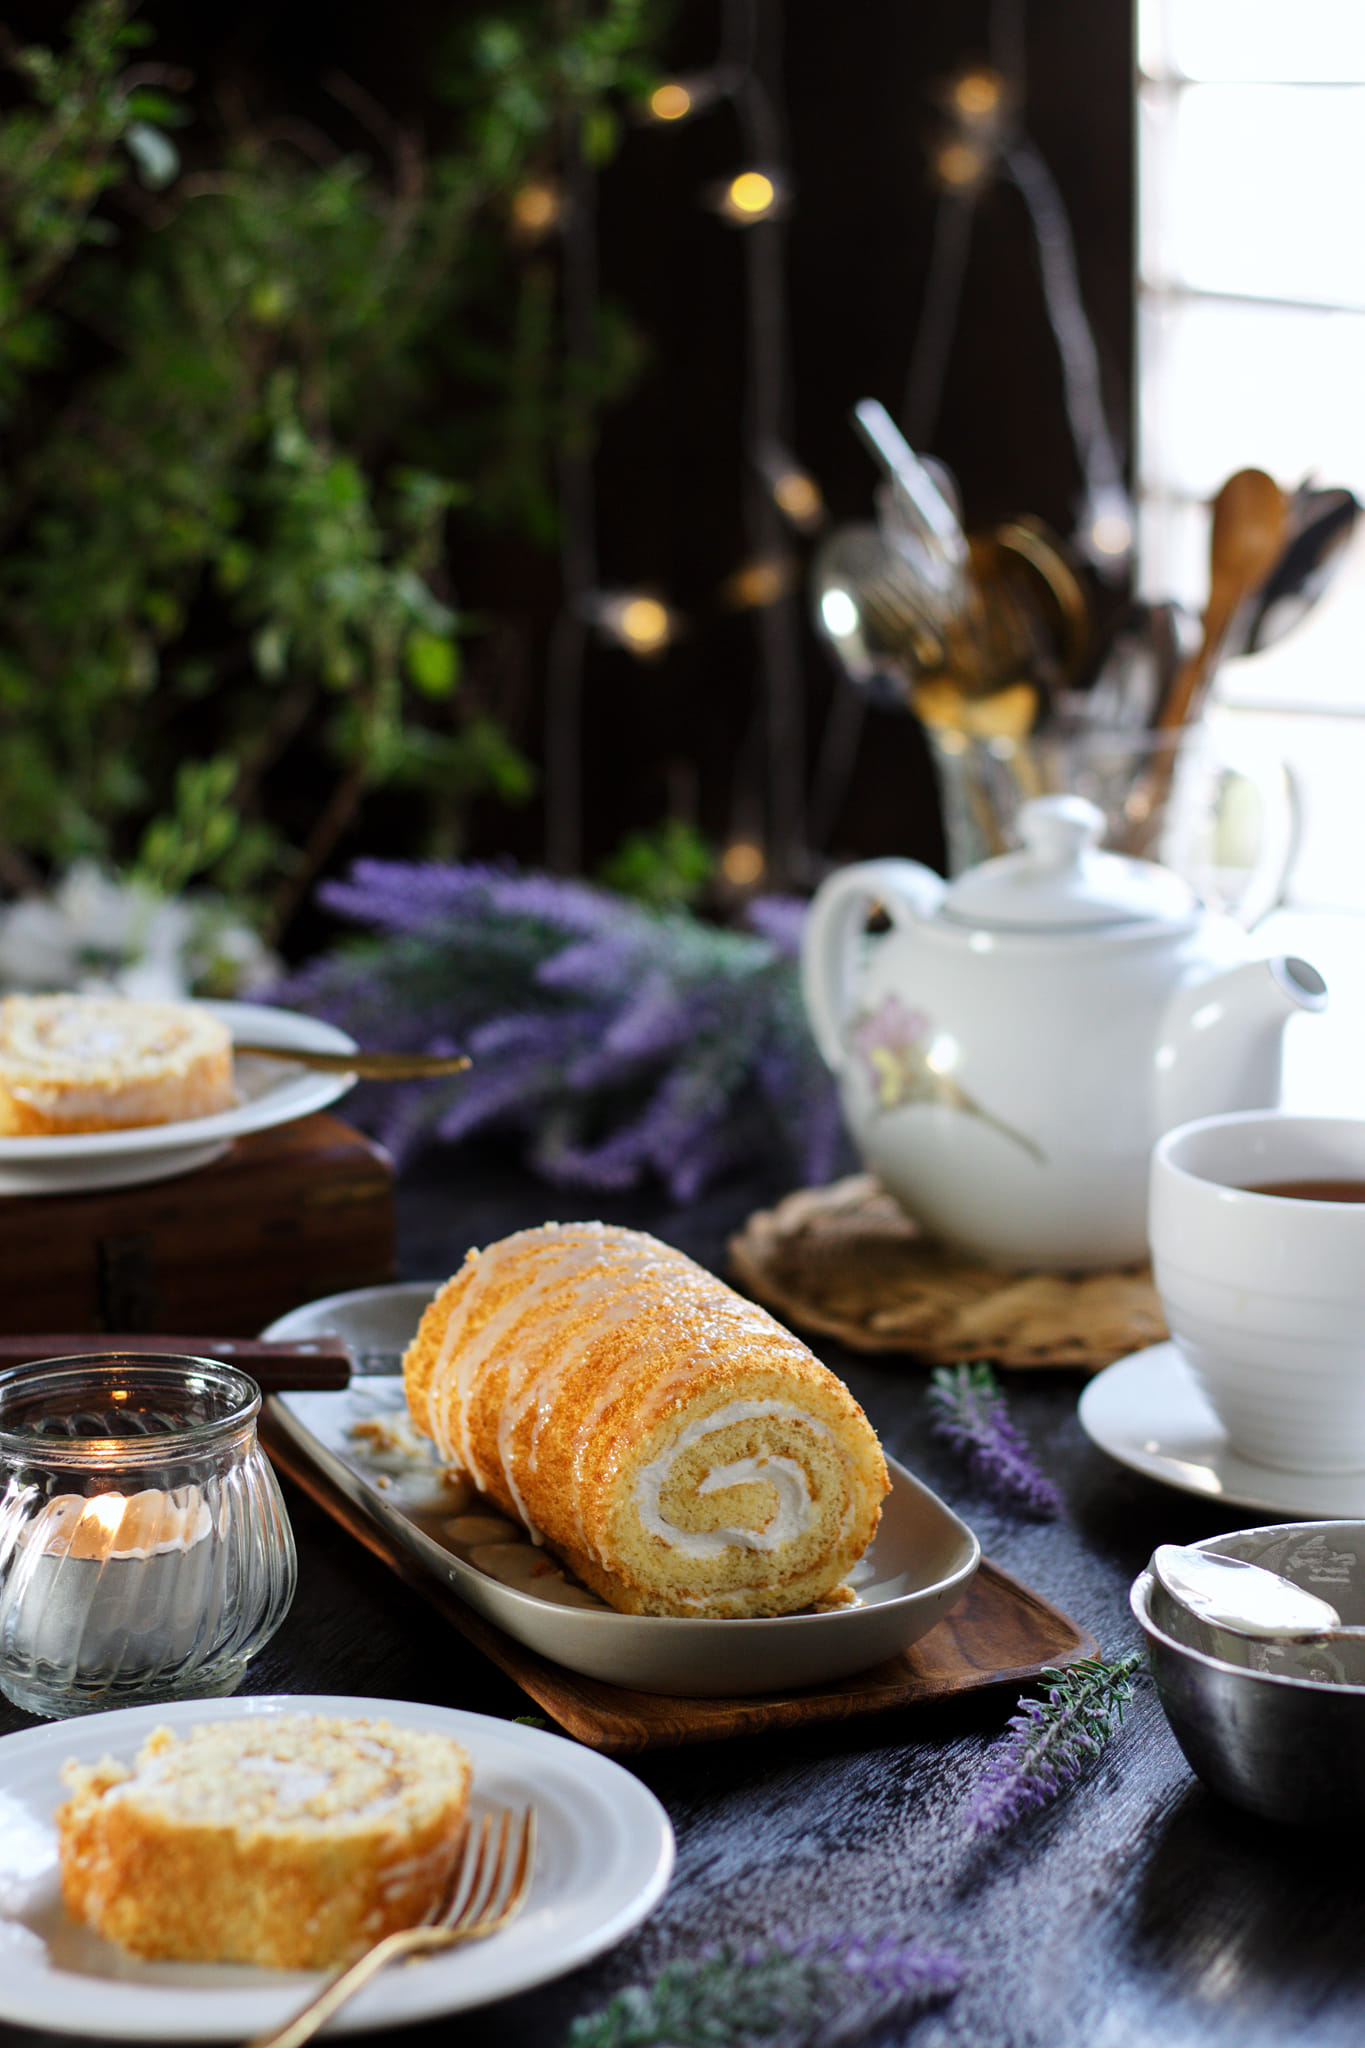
column 1219, row 1047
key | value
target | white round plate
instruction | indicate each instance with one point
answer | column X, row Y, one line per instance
column 604, row 1854
column 918, row 1568
column 271, row 1094
column 1147, row 1412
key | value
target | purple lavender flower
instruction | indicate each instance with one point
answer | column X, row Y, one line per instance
column 779, row 920
column 887, row 1968
column 969, row 1413
column 780, row 1994
column 1051, row 1741
column 620, row 1041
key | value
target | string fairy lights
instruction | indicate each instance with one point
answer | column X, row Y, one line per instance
column 979, row 140
column 535, row 209
column 767, row 838
column 751, row 196
column 976, row 141
column 636, row 620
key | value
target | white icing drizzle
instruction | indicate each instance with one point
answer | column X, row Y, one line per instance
column 578, row 1286
column 595, row 1296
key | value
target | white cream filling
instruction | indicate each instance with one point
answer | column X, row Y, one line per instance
column 793, row 1515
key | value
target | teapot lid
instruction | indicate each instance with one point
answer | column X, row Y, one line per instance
column 1062, row 881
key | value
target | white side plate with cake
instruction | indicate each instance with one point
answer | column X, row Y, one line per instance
column 269, row 1091
column 603, row 1859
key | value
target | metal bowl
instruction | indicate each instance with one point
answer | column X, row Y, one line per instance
column 1276, row 1728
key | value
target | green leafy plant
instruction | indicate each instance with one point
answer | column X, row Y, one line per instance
column 232, row 513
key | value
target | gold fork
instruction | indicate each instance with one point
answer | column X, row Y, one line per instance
column 486, row 1892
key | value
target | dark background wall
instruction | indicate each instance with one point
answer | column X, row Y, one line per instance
column 855, row 84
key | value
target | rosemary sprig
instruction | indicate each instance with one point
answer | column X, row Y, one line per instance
column 969, row 1412
column 1051, row 1741
column 783, row 1995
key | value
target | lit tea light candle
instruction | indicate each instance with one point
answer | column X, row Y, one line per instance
column 112, row 1589
column 145, row 1552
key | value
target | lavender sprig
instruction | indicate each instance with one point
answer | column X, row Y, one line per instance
column 969, row 1412
column 1051, row 1741
column 784, row 1995
column 621, row 1042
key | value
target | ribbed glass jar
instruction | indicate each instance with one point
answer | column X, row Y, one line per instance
column 145, row 1552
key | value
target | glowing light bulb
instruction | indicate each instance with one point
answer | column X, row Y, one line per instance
column 642, row 624
column 742, row 863
column 977, row 94
column 752, row 192
column 760, row 582
column 536, row 208
column 798, row 496
column 958, row 165
column 671, row 101
column 750, row 196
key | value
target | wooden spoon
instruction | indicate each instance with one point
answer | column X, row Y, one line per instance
column 1250, row 521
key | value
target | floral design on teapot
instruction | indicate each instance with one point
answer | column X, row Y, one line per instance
column 895, row 1046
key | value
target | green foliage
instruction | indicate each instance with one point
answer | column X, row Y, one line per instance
column 667, row 868
column 232, row 511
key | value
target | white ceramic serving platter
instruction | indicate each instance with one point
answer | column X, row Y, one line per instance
column 918, row 1567
column 271, row 1094
column 604, row 1855
column 1148, row 1413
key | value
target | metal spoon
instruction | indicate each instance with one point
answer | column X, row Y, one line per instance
column 922, row 505
column 1245, row 1598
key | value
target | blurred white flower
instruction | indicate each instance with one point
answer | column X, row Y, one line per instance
column 99, row 935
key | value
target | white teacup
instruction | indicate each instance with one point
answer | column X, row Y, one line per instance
column 1264, row 1292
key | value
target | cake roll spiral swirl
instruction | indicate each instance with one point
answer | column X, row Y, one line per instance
column 681, row 1451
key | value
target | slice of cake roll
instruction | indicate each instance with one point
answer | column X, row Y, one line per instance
column 102, row 1063
column 679, row 1449
column 291, row 1840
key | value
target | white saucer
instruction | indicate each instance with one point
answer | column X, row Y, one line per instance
column 1147, row 1412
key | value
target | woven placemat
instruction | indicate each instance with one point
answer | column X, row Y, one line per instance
column 846, row 1260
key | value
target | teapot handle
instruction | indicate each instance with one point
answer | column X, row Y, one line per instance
column 835, row 923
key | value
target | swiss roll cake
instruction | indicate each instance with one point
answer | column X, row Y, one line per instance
column 669, row 1440
column 292, row 1840
column 73, row 1063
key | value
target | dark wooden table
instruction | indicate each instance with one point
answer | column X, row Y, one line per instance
column 1135, row 1910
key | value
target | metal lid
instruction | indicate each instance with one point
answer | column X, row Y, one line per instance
column 1061, row 881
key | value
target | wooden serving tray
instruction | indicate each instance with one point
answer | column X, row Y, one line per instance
column 1000, row 1634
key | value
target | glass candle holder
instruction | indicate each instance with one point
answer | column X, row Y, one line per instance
column 145, row 1552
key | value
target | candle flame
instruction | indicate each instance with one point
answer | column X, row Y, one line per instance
column 106, row 1509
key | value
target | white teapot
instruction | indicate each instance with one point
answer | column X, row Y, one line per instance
column 1009, row 1051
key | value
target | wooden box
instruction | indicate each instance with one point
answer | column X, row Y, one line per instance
column 289, row 1214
